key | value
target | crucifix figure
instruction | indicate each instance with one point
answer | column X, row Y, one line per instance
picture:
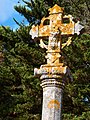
column 54, row 73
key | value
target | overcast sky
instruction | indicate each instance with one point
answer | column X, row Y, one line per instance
column 7, row 13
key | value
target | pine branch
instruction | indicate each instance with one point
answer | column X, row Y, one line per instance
column 16, row 22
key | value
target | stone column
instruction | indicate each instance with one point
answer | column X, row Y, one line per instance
column 52, row 100
column 53, row 79
column 52, row 82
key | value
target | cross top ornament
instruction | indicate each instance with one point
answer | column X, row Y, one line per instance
column 53, row 28
column 54, row 22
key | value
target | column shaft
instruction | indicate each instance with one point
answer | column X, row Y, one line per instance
column 52, row 103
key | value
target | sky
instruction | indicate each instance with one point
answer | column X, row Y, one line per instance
column 7, row 13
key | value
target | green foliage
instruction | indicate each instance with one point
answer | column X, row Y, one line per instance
column 20, row 91
column 77, row 57
column 84, row 116
column 21, row 94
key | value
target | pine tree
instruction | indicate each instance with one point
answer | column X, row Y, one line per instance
column 76, row 62
column 77, row 57
column 21, row 55
column 22, row 95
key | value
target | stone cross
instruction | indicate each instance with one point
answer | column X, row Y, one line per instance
column 54, row 74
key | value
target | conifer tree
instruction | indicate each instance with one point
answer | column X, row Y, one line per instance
column 22, row 91
column 21, row 94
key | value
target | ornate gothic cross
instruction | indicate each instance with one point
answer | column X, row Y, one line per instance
column 54, row 74
column 53, row 27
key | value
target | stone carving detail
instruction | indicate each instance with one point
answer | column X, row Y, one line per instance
column 53, row 28
column 54, row 74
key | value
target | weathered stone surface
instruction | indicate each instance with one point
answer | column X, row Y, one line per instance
column 54, row 22
column 52, row 103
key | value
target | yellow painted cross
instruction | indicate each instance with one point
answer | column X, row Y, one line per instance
column 53, row 28
column 55, row 74
column 54, row 22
